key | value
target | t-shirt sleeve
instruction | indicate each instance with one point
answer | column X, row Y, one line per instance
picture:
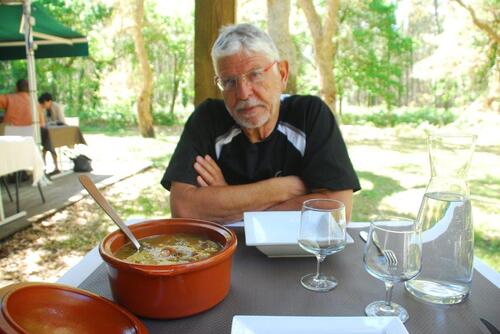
column 326, row 162
column 194, row 141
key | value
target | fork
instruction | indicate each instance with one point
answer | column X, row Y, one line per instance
column 391, row 258
column 388, row 254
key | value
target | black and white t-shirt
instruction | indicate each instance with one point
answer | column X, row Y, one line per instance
column 305, row 142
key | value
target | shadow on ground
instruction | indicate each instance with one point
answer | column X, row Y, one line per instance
column 376, row 188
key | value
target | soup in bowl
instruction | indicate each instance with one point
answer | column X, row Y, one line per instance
column 168, row 290
column 174, row 248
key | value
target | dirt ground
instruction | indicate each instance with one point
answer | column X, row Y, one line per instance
column 45, row 251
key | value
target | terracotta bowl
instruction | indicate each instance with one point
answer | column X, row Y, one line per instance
column 46, row 308
column 170, row 291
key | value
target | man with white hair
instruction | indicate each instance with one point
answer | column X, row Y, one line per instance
column 256, row 149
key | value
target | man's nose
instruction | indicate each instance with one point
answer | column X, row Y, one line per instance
column 243, row 88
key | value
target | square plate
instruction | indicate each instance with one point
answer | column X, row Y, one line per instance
column 244, row 324
column 275, row 233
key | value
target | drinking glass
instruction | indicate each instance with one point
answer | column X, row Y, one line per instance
column 393, row 253
column 322, row 232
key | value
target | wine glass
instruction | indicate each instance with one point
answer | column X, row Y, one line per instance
column 393, row 253
column 322, row 232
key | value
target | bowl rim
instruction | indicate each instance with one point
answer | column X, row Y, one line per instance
column 8, row 292
column 171, row 269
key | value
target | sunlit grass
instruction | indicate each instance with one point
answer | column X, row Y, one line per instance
column 487, row 249
column 488, row 187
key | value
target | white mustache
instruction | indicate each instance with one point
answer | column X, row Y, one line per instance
column 250, row 103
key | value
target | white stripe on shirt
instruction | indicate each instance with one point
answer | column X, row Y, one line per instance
column 225, row 139
column 296, row 137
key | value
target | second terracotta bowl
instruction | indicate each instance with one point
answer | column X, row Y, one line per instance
column 170, row 291
column 48, row 308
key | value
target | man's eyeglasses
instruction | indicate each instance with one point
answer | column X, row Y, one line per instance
column 254, row 76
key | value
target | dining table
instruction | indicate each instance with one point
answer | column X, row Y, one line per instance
column 62, row 135
column 19, row 153
column 56, row 136
column 262, row 285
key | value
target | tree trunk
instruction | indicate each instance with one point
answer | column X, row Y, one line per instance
column 175, row 88
column 210, row 15
column 436, row 18
column 145, row 119
column 278, row 15
column 324, row 47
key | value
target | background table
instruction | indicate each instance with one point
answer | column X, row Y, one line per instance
column 57, row 136
column 61, row 135
column 270, row 286
column 19, row 153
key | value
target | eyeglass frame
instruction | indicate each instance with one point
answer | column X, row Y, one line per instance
column 260, row 71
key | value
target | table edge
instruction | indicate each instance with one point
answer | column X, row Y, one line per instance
column 89, row 263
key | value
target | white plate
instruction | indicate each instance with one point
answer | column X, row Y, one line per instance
column 275, row 233
column 244, row 324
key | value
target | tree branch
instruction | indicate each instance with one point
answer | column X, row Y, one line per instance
column 312, row 17
column 330, row 24
column 484, row 26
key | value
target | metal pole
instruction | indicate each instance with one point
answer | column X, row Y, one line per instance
column 30, row 58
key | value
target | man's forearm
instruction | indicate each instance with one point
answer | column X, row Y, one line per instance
column 345, row 196
column 227, row 203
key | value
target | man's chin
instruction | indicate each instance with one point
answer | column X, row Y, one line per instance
column 251, row 123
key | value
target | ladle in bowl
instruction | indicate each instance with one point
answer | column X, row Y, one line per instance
column 88, row 184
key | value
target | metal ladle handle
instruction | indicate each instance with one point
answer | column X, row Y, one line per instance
column 88, row 184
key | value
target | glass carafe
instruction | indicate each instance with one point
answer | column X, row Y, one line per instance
column 445, row 219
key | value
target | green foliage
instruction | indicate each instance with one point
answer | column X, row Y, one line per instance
column 386, row 118
column 163, row 118
column 113, row 116
column 169, row 43
column 170, row 46
column 372, row 52
column 10, row 72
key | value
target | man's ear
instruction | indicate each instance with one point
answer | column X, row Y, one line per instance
column 283, row 69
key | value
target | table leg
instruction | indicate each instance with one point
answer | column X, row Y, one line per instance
column 17, row 191
column 2, row 214
column 4, row 220
column 41, row 192
column 6, row 186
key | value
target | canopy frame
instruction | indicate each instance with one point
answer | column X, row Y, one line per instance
column 22, row 42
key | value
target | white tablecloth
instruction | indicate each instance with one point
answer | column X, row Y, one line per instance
column 20, row 153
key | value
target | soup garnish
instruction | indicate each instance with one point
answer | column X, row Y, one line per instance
column 173, row 248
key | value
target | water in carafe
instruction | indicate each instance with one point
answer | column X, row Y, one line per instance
column 445, row 219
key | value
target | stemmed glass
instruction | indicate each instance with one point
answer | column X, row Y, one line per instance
column 392, row 254
column 322, row 233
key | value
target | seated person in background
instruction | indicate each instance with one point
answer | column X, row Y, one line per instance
column 17, row 106
column 54, row 111
column 256, row 149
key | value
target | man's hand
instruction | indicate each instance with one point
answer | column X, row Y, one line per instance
column 209, row 173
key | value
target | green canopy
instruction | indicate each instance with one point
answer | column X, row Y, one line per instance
column 51, row 38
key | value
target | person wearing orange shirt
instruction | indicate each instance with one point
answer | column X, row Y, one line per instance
column 17, row 106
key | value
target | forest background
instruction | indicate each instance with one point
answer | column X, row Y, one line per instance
column 408, row 66
column 428, row 57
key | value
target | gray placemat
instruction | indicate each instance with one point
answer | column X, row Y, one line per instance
column 270, row 286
